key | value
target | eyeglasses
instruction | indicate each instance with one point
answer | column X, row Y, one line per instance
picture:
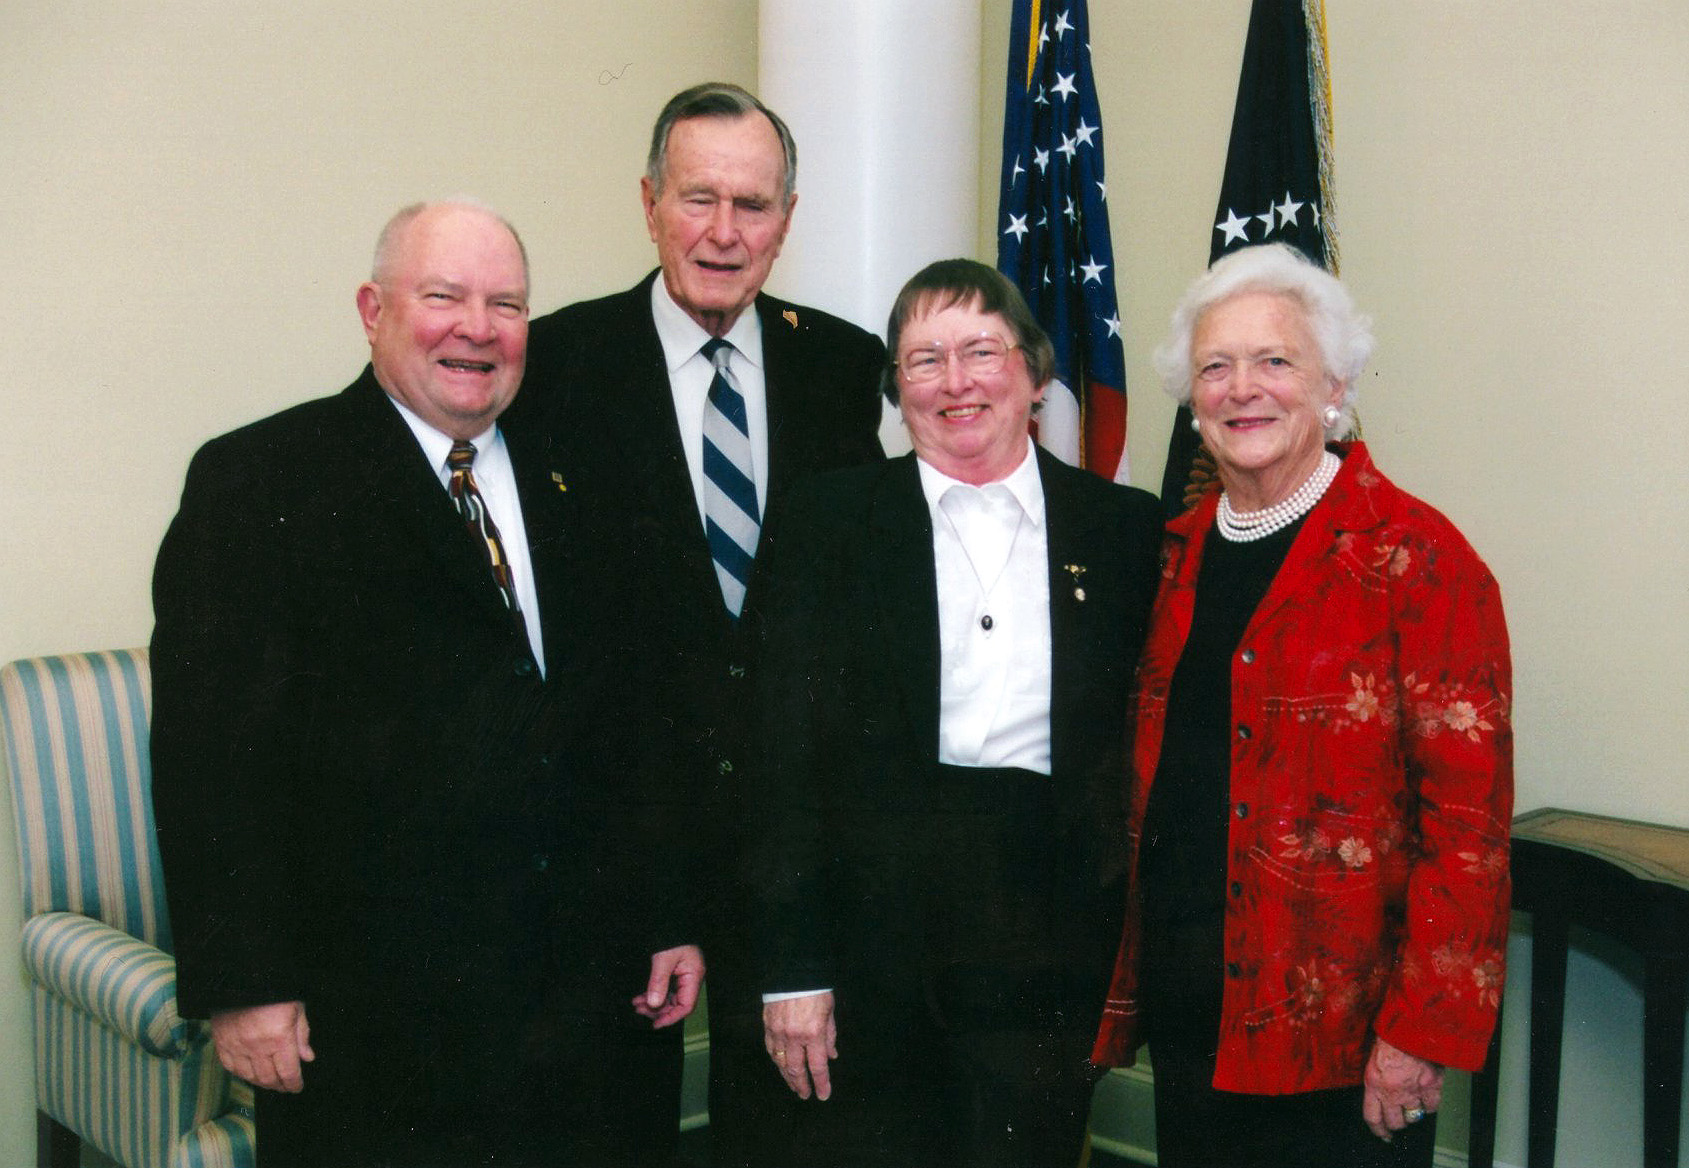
column 984, row 354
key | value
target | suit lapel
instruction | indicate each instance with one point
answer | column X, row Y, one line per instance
column 407, row 503
column 907, row 590
column 781, row 377
column 1069, row 529
column 542, row 488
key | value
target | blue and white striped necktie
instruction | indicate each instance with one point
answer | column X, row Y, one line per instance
column 731, row 516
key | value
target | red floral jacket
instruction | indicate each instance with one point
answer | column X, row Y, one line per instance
column 1371, row 792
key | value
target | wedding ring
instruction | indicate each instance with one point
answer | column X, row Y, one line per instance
column 1414, row 1114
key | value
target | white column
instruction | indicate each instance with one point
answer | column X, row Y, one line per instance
column 883, row 99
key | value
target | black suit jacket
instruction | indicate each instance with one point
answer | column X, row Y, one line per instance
column 664, row 749
column 351, row 806
column 859, row 848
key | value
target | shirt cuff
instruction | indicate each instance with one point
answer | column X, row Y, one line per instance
column 788, row 995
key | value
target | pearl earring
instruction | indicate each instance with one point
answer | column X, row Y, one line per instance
column 1329, row 416
column 1196, row 426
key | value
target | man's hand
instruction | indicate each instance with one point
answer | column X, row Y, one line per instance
column 1400, row 1089
column 264, row 1044
column 672, row 991
column 800, row 1036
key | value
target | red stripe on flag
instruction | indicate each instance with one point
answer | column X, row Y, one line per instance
column 1105, row 428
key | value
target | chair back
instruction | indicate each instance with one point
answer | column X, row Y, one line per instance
column 75, row 729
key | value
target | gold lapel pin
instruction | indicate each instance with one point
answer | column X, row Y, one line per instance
column 558, row 479
column 790, row 317
column 1076, row 571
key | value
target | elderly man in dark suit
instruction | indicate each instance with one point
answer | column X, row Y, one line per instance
column 356, row 751
column 680, row 411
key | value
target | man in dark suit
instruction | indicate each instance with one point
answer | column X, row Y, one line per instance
column 949, row 638
column 672, row 457
column 357, row 755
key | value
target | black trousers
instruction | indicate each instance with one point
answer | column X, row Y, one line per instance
column 1197, row 1126
column 973, row 1051
column 572, row 1087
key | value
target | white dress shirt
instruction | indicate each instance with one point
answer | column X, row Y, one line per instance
column 690, row 374
column 495, row 478
column 991, row 555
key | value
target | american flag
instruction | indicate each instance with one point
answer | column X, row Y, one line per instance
column 1278, row 183
column 1053, row 239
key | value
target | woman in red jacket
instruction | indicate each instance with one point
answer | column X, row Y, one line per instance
column 1321, row 781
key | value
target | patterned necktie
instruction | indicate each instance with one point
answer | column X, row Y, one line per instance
column 731, row 518
column 473, row 508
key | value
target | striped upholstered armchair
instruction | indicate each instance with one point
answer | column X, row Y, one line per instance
column 115, row 1065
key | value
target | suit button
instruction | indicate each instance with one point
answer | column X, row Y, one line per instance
column 524, row 668
column 735, row 671
column 1244, row 732
column 1237, row 889
column 725, row 766
column 1232, row 969
column 1241, row 811
column 1248, row 656
column 541, row 861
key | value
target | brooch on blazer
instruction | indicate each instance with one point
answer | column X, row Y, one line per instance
column 789, row 317
column 1076, row 571
column 557, row 478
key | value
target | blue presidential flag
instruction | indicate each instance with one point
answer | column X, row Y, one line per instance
column 1278, row 183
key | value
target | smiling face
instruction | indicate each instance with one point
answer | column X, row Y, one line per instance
column 1257, row 391
column 971, row 426
column 719, row 220
column 448, row 321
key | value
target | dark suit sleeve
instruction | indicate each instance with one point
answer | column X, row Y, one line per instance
column 788, row 853
column 230, row 703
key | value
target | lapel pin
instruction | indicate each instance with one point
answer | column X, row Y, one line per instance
column 558, row 479
column 790, row 317
column 1076, row 571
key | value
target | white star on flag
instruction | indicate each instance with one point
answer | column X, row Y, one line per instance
column 1235, row 228
column 1287, row 211
column 1017, row 226
column 1064, row 86
column 1093, row 270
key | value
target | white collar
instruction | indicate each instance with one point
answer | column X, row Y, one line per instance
column 682, row 336
column 1024, row 483
column 436, row 445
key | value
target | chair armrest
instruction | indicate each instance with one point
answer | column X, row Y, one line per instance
column 126, row 984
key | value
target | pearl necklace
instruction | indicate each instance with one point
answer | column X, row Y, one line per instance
column 1244, row 526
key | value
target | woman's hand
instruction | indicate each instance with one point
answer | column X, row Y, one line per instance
column 800, row 1036
column 1400, row 1089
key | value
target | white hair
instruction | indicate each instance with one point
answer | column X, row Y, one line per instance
column 1342, row 333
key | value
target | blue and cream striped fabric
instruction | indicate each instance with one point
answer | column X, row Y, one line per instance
column 113, row 1060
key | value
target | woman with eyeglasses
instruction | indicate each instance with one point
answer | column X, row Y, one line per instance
column 949, row 638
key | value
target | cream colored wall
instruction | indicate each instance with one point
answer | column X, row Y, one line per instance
column 189, row 192
column 1511, row 181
